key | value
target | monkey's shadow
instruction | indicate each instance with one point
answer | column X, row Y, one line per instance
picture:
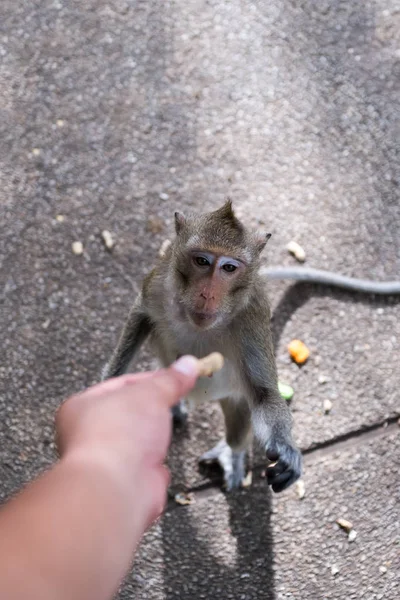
column 208, row 555
column 193, row 570
column 300, row 293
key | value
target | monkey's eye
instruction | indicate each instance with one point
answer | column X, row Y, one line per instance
column 201, row 261
column 229, row 268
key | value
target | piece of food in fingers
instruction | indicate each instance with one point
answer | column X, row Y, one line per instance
column 210, row 364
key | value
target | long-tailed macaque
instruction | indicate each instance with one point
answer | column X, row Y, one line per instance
column 205, row 294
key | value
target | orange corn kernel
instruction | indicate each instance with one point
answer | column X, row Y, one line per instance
column 298, row 351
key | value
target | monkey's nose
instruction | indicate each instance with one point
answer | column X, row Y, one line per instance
column 205, row 305
column 206, row 296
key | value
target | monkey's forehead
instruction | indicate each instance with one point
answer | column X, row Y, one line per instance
column 220, row 246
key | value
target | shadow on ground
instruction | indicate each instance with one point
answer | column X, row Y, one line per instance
column 114, row 112
column 192, row 570
column 298, row 294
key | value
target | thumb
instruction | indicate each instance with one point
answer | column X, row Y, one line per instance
column 176, row 381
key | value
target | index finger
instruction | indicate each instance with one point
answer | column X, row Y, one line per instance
column 169, row 385
column 116, row 383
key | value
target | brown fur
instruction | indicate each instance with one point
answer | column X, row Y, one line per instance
column 241, row 332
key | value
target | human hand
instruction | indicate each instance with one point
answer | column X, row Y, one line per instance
column 123, row 426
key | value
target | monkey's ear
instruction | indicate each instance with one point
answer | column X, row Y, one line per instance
column 180, row 221
column 226, row 211
column 261, row 240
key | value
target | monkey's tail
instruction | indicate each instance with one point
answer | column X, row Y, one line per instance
column 332, row 279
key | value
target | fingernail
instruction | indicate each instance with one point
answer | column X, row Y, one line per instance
column 187, row 365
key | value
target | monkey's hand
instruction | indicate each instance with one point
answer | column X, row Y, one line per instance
column 286, row 464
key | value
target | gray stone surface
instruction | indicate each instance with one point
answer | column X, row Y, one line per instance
column 113, row 112
column 289, row 548
column 313, row 556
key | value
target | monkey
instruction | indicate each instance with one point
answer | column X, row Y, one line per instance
column 207, row 293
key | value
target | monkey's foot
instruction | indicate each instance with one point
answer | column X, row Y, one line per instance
column 179, row 413
column 231, row 462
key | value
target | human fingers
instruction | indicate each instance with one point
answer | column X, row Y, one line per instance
column 149, row 393
column 169, row 385
column 105, row 388
column 116, row 383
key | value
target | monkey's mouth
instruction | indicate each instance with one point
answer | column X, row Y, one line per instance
column 203, row 320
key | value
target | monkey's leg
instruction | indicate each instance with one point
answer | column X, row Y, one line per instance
column 179, row 413
column 136, row 330
column 231, row 454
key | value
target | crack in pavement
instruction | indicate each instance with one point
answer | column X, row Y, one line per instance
column 311, row 454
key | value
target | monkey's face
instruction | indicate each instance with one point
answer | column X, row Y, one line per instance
column 212, row 287
column 214, row 258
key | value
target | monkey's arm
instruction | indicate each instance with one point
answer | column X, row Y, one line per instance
column 272, row 425
column 137, row 328
column 333, row 279
column 270, row 414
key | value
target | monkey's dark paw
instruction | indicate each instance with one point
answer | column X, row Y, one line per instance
column 232, row 464
column 286, row 468
column 179, row 414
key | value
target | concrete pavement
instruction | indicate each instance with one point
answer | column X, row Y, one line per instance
column 114, row 112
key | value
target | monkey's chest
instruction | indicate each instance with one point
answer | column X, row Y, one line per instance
column 224, row 384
